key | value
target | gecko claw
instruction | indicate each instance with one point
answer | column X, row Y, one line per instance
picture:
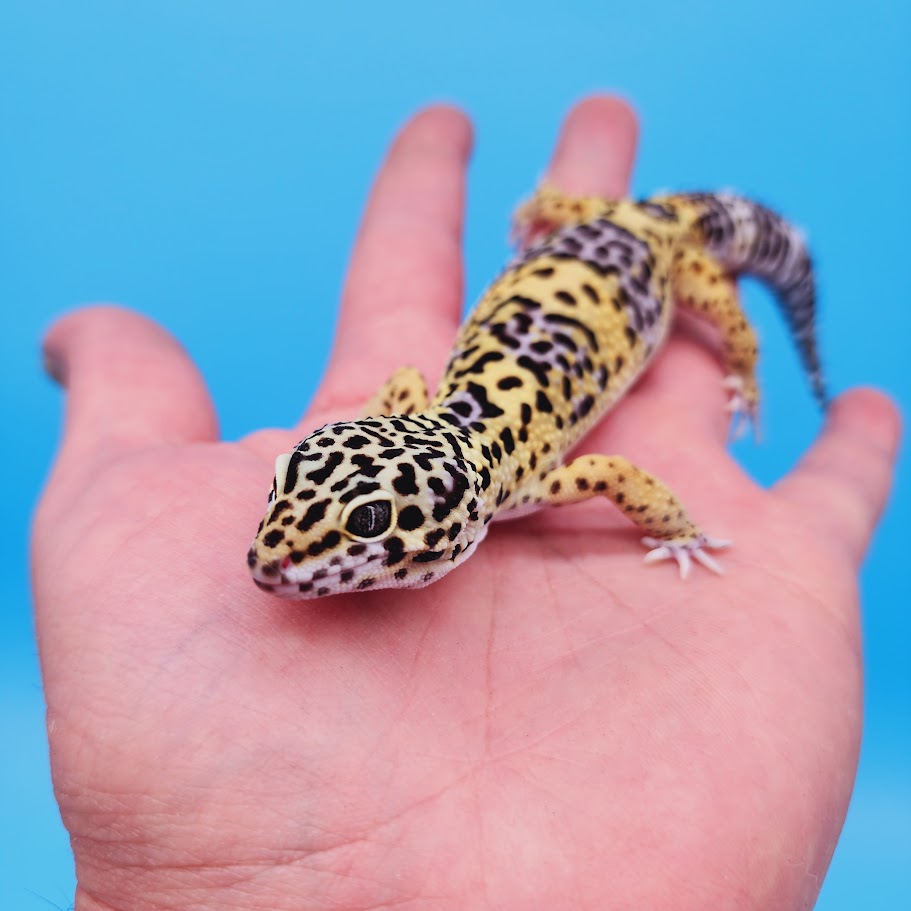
column 743, row 408
column 684, row 553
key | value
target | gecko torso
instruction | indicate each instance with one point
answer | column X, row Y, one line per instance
column 405, row 494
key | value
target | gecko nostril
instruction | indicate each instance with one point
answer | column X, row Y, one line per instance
column 269, row 569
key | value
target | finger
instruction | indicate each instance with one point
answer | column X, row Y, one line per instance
column 403, row 298
column 843, row 480
column 594, row 156
column 128, row 382
column 596, row 148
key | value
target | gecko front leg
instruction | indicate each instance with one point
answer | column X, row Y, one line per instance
column 549, row 210
column 642, row 498
column 405, row 392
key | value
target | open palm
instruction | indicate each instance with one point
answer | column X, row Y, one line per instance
column 553, row 725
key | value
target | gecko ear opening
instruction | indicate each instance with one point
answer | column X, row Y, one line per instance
column 370, row 517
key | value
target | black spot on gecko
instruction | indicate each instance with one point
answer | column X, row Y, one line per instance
column 405, row 482
column 395, row 550
column 318, row 547
column 278, row 509
column 410, row 518
column 558, row 319
column 542, row 402
column 274, row 538
column 571, row 245
column 432, row 538
column 536, row 367
column 428, row 556
column 291, row 475
column 321, row 475
column 479, row 365
column 361, row 487
column 479, row 394
column 313, row 515
column 528, row 303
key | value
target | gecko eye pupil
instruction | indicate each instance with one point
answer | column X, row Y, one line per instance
column 370, row 519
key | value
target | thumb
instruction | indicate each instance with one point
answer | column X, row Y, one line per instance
column 128, row 382
column 844, row 478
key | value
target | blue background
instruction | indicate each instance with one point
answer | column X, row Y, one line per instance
column 206, row 164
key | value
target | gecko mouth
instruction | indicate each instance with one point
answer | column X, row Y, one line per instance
column 286, row 579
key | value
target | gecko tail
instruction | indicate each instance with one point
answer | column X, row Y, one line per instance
column 747, row 238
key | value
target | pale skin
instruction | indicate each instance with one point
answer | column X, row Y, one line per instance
column 553, row 725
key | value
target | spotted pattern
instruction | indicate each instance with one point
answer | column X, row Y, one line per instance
column 402, row 496
column 745, row 237
column 611, row 249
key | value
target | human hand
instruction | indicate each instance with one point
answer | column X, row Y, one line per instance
column 553, row 725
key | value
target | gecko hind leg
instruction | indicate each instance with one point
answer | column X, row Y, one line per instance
column 701, row 286
column 405, row 392
column 549, row 210
column 642, row 498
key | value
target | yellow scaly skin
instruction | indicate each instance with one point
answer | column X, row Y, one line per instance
column 402, row 496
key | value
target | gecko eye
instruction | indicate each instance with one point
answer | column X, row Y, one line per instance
column 369, row 519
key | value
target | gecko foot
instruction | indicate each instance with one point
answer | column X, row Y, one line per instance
column 743, row 406
column 685, row 552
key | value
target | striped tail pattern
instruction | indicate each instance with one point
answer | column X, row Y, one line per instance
column 748, row 238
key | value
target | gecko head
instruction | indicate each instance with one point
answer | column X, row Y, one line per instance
column 376, row 503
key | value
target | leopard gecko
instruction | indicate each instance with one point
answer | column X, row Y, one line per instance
column 403, row 495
